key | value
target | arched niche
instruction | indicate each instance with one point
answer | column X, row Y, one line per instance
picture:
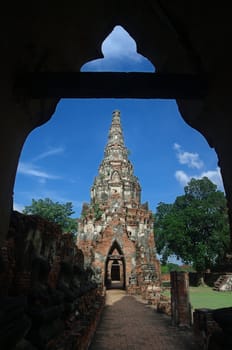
column 115, row 177
column 115, row 267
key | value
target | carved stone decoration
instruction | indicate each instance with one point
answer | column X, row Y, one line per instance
column 115, row 223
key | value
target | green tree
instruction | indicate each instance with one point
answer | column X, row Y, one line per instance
column 54, row 212
column 174, row 267
column 195, row 227
column 169, row 267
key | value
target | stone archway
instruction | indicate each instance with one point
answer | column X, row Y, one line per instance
column 115, row 269
column 176, row 39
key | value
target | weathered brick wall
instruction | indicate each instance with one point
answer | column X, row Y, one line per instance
column 181, row 310
column 204, row 327
column 165, row 277
column 47, row 298
column 212, row 328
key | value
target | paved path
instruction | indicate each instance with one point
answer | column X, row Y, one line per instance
column 128, row 323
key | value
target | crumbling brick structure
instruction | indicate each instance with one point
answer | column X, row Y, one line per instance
column 47, row 299
column 116, row 230
column 180, row 304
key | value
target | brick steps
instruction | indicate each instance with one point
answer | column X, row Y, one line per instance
column 223, row 283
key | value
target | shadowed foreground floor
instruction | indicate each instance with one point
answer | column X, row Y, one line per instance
column 128, row 323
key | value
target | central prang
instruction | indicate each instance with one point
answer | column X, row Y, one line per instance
column 115, row 231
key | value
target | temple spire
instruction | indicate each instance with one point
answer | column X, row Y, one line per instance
column 115, row 226
column 115, row 134
column 116, row 176
column 116, row 117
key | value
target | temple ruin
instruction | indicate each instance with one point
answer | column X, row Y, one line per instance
column 115, row 231
column 187, row 41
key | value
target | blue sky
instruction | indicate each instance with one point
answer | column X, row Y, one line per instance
column 61, row 158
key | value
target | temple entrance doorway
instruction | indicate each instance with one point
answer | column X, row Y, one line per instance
column 115, row 271
column 115, row 268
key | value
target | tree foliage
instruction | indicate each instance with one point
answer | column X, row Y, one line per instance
column 174, row 267
column 55, row 212
column 195, row 227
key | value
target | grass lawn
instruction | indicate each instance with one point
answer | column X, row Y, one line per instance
column 205, row 297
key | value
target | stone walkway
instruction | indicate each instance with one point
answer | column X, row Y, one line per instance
column 128, row 323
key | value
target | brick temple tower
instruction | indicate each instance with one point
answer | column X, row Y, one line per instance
column 115, row 231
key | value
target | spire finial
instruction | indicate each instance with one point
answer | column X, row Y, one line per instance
column 116, row 117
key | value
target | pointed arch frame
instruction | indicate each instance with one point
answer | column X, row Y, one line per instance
column 115, row 245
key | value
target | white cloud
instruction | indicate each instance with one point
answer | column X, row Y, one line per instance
column 182, row 177
column 18, row 207
column 50, row 152
column 192, row 160
column 213, row 175
column 32, row 170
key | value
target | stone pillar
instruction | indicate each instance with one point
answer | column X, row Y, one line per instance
column 16, row 122
column 12, row 137
column 181, row 310
column 224, row 161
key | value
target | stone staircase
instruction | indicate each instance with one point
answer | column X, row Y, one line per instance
column 223, row 283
